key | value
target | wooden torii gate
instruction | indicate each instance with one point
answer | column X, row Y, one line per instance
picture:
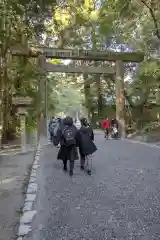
column 119, row 58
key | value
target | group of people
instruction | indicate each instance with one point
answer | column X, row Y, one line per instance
column 110, row 127
column 65, row 133
column 53, row 127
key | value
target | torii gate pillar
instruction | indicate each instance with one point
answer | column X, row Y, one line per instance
column 41, row 101
column 120, row 100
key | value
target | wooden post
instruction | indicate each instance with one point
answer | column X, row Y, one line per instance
column 23, row 132
column 41, row 120
column 120, row 100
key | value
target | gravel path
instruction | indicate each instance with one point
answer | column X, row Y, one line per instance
column 120, row 201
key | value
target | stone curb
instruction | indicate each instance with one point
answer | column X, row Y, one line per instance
column 152, row 145
column 28, row 212
column 17, row 153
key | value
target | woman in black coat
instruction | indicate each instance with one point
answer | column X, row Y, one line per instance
column 85, row 138
column 67, row 152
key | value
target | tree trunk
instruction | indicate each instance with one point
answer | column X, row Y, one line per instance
column 137, row 114
column 9, row 127
column 99, row 95
column 88, row 97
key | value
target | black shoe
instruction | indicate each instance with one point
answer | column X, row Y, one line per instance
column 89, row 172
column 82, row 167
column 71, row 173
column 65, row 168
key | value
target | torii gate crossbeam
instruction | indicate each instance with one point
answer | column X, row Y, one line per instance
column 88, row 55
column 50, row 67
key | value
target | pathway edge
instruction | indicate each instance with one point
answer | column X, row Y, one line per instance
column 28, row 212
column 143, row 143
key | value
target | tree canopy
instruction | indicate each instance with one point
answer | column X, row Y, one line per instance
column 114, row 25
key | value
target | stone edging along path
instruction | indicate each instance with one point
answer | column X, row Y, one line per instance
column 28, row 212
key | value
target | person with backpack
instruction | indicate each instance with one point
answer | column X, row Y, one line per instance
column 87, row 147
column 66, row 136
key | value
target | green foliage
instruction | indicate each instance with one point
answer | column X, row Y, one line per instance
column 63, row 95
column 151, row 127
column 78, row 25
column 19, row 75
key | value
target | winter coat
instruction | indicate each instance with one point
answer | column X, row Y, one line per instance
column 55, row 130
column 114, row 122
column 85, row 138
column 66, row 152
column 51, row 126
column 105, row 124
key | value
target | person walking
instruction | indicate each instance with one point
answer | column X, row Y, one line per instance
column 85, row 138
column 66, row 136
column 51, row 127
column 106, row 127
column 57, row 126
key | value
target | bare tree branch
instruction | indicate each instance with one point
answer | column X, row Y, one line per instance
column 157, row 30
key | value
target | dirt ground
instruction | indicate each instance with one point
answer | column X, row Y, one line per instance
column 14, row 173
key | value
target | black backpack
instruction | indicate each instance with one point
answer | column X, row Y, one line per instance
column 69, row 136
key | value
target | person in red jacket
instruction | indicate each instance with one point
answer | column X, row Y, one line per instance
column 106, row 127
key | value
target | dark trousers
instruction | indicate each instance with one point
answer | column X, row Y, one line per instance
column 71, row 164
column 106, row 133
column 88, row 160
column 51, row 136
column 82, row 160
